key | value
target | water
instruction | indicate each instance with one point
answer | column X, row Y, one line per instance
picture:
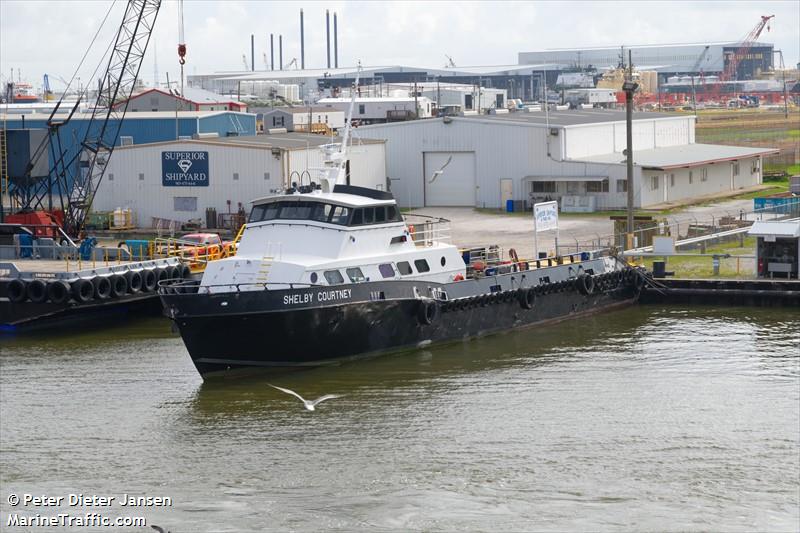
column 642, row 419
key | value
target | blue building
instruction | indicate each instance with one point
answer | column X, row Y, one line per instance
column 137, row 128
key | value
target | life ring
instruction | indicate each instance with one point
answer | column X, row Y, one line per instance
column 585, row 284
column 37, row 291
column 16, row 291
column 58, row 292
column 527, row 298
column 149, row 280
column 102, row 287
column 134, row 279
column 82, row 290
column 428, row 312
column 119, row 285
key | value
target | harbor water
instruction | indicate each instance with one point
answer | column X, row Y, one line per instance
column 648, row 418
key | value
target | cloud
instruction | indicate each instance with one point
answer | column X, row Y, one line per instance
column 51, row 36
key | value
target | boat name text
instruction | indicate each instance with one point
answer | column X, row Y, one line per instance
column 323, row 296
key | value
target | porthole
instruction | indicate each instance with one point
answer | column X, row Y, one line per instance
column 314, row 277
column 443, row 261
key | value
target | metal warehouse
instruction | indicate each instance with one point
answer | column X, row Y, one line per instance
column 140, row 128
column 179, row 180
column 573, row 156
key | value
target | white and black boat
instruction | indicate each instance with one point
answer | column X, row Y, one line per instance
column 329, row 271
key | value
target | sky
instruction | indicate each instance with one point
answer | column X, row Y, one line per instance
column 39, row 36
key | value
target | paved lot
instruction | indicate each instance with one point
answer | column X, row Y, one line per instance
column 470, row 227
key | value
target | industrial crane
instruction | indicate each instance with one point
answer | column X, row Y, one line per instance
column 77, row 173
column 181, row 41
column 732, row 66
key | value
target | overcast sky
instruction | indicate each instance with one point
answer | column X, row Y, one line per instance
column 51, row 36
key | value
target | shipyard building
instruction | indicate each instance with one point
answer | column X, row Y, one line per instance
column 171, row 183
column 666, row 59
column 574, row 157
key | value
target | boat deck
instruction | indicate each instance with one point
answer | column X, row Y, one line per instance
column 61, row 269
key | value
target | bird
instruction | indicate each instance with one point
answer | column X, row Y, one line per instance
column 308, row 404
column 440, row 171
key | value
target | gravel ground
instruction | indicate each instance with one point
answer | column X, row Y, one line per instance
column 470, row 227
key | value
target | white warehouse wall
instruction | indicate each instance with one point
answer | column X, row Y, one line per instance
column 583, row 140
column 503, row 150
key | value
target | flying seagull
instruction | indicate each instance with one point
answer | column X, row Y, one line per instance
column 440, row 171
column 309, row 404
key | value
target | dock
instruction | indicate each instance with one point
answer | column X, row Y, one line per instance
column 727, row 292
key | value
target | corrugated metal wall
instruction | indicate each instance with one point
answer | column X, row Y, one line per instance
column 236, row 174
column 144, row 130
column 502, row 150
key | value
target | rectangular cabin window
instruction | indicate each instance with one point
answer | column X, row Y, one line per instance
column 358, row 217
column 369, row 215
column 392, row 214
column 321, row 212
column 422, row 265
column 404, row 267
column 355, row 275
column 257, row 214
column 334, row 277
column 340, row 215
column 386, row 270
column 380, row 215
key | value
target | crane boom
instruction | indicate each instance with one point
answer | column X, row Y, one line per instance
column 116, row 88
column 744, row 47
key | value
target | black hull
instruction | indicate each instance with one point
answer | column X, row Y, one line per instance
column 30, row 316
column 244, row 336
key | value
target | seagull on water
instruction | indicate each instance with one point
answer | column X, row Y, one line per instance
column 309, row 404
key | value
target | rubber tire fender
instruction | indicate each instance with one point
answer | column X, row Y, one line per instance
column 16, row 291
column 102, row 287
column 184, row 271
column 58, row 292
column 36, row 291
column 585, row 284
column 149, row 280
column 135, row 281
column 119, row 285
column 428, row 312
column 527, row 298
column 82, row 290
column 640, row 281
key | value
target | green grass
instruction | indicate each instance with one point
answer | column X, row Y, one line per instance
column 702, row 267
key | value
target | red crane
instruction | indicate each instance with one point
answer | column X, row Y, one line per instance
column 732, row 65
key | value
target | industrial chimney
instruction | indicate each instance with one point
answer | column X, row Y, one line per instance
column 271, row 53
column 280, row 52
column 328, row 34
column 302, row 43
column 252, row 52
column 335, row 43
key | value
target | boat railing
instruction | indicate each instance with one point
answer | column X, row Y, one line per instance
column 428, row 231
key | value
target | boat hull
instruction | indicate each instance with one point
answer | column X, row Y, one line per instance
column 255, row 331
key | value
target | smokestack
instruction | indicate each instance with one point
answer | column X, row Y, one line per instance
column 252, row 52
column 302, row 43
column 280, row 52
column 271, row 53
column 335, row 43
column 328, row 34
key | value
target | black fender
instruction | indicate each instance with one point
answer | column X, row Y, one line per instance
column 82, row 290
column 428, row 312
column 17, row 291
column 585, row 284
column 58, row 292
column 527, row 298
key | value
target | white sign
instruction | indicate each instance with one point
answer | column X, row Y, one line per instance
column 664, row 245
column 545, row 216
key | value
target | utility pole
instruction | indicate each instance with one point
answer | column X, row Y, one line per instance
column 629, row 87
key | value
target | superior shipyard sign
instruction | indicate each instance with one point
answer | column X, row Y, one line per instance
column 184, row 169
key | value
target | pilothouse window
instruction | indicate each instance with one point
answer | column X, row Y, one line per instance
column 405, row 268
column 422, row 265
column 386, row 270
column 355, row 275
column 334, row 277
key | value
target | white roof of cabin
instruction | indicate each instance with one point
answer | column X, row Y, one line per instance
column 347, row 200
